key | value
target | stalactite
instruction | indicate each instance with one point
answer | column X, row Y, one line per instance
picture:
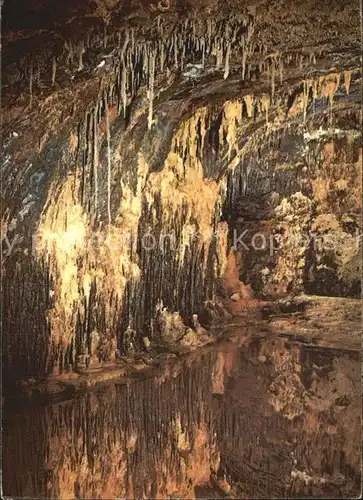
column 183, row 45
column 250, row 101
column 281, row 69
column 88, row 38
column 315, row 89
column 244, row 57
column 209, row 35
column 133, row 39
column 226, row 67
column 203, row 52
column 54, row 70
column 232, row 118
column 108, row 137
column 347, row 79
column 188, row 153
column 162, row 55
column 272, row 79
column 265, row 104
column 307, row 84
column 151, row 88
column 175, row 39
column 105, row 37
column 250, row 32
column 125, row 45
column 301, row 61
column 123, row 87
column 145, row 66
column 219, row 53
column 80, row 56
column 31, row 84
column 69, row 47
column 38, row 73
column 132, row 73
column 95, row 156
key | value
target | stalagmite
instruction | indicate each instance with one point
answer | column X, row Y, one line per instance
column 108, row 137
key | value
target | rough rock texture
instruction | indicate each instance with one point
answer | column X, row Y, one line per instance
column 306, row 237
column 123, row 119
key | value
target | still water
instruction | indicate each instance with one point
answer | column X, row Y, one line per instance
column 228, row 420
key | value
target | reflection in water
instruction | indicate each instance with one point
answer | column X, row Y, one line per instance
column 146, row 439
column 213, row 420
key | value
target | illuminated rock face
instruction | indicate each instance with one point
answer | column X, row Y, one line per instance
column 129, row 128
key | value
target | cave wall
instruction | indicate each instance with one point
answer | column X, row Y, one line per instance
column 137, row 118
column 299, row 206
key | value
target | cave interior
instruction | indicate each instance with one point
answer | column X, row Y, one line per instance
column 181, row 211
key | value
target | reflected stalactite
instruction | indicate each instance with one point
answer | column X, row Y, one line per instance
column 160, row 443
column 235, row 418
